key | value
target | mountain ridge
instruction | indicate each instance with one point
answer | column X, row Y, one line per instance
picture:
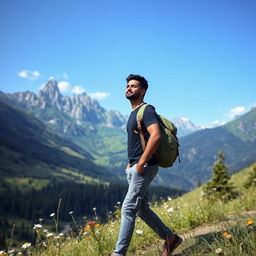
column 107, row 143
column 199, row 150
column 185, row 126
column 30, row 149
column 79, row 106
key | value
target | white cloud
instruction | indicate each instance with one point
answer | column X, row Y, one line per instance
column 216, row 123
column 64, row 86
column 65, row 75
column 253, row 105
column 78, row 89
column 236, row 111
column 99, row 95
column 31, row 75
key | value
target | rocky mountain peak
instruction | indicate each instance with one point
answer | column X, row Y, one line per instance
column 50, row 94
column 81, row 107
column 185, row 126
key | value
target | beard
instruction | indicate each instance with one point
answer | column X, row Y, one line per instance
column 132, row 96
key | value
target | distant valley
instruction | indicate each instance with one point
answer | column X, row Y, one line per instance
column 53, row 147
column 39, row 168
column 101, row 133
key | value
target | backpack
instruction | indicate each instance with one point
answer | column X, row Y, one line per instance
column 168, row 148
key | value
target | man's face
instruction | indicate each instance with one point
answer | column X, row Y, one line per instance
column 134, row 90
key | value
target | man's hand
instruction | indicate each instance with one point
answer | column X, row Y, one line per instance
column 140, row 168
column 128, row 166
column 154, row 132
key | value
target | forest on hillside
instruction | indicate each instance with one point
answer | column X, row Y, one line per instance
column 23, row 209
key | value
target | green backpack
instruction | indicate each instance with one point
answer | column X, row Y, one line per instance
column 168, row 148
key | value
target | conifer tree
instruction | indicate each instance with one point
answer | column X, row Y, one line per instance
column 220, row 187
column 251, row 180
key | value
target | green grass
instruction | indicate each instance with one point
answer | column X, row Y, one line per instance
column 242, row 129
column 234, row 240
column 24, row 184
column 188, row 212
column 79, row 177
column 71, row 152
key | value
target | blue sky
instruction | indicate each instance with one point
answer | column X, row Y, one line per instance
column 199, row 56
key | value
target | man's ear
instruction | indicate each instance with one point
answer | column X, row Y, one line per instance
column 143, row 92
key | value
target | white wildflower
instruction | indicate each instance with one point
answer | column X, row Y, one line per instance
column 49, row 234
column 218, row 251
column 52, row 214
column 70, row 212
column 139, row 232
column 170, row 210
column 26, row 245
column 37, row 226
column 169, row 198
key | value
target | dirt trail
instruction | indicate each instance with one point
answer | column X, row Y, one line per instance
column 154, row 249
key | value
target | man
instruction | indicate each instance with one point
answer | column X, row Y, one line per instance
column 141, row 169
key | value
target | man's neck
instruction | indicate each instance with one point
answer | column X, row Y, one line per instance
column 136, row 103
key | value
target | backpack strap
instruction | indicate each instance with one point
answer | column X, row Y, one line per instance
column 139, row 118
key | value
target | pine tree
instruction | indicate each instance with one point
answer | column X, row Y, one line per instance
column 251, row 180
column 220, row 187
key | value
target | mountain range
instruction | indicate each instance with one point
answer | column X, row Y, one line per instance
column 100, row 133
column 81, row 119
column 185, row 126
column 30, row 149
column 236, row 139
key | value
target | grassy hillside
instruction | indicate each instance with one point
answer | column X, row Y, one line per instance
column 244, row 128
column 236, row 235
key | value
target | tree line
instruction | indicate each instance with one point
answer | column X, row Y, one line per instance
column 81, row 199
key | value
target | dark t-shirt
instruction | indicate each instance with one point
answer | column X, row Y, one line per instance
column 135, row 149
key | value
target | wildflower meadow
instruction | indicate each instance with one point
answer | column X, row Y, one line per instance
column 234, row 230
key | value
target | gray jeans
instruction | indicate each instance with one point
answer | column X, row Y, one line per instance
column 136, row 203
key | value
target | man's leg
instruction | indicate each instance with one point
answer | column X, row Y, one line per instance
column 172, row 241
column 152, row 220
column 138, row 187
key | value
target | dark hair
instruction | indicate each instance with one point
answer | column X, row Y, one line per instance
column 141, row 79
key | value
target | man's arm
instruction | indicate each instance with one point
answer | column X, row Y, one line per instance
column 152, row 144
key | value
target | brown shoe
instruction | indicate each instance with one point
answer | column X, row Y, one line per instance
column 171, row 244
